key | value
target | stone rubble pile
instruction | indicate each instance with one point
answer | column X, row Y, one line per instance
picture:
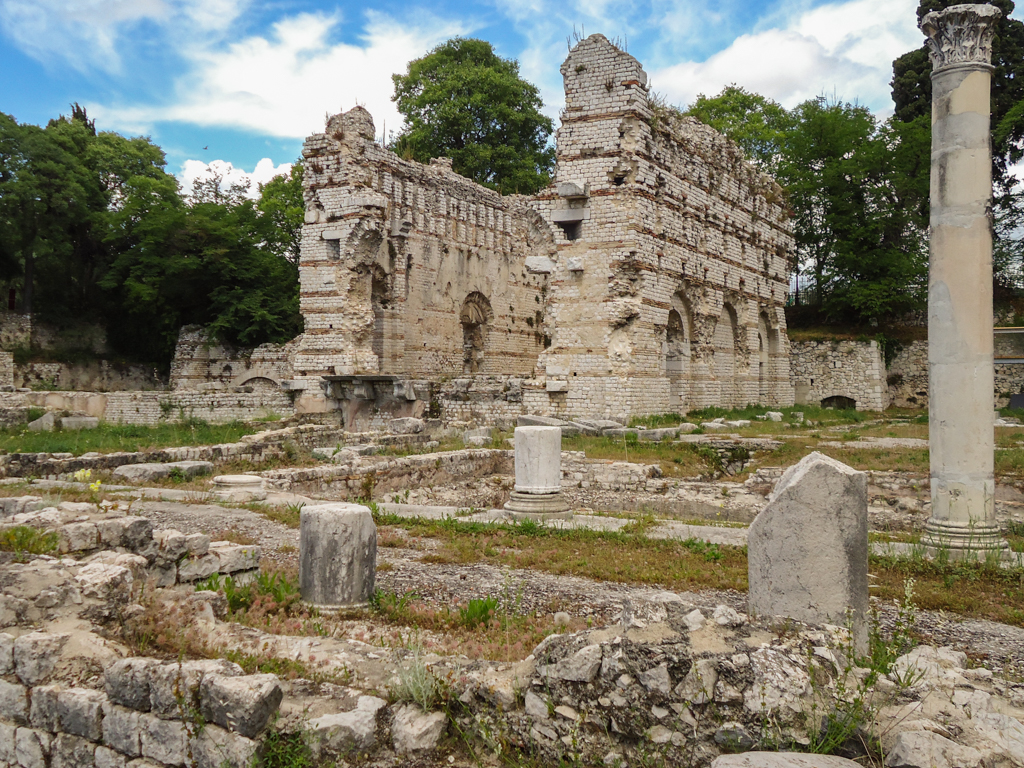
column 108, row 535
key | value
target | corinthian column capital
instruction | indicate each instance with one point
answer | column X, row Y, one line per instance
column 960, row 34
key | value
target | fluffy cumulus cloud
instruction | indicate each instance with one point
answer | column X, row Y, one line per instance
column 265, row 170
column 841, row 49
column 284, row 82
column 90, row 34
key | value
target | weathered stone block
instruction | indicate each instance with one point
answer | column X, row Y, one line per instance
column 32, row 747
column 781, row 760
column 241, row 704
column 69, row 751
column 44, row 712
column 81, row 712
column 340, row 733
column 808, row 549
column 141, row 473
column 923, row 749
column 232, row 558
column 198, row 544
column 414, row 730
column 136, row 533
column 79, row 422
column 78, row 537
column 337, row 554
column 165, row 741
column 581, row 667
column 14, row 702
column 171, row 545
column 196, row 568
column 174, row 687
column 121, row 729
column 6, row 654
column 45, row 423
column 108, row 758
column 406, row 426
column 127, row 682
column 36, row 655
column 218, row 748
column 104, row 581
column 7, row 749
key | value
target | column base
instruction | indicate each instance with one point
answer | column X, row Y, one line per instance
column 538, row 506
column 957, row 541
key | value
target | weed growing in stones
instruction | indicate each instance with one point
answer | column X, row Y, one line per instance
column 478, row 611
column 23, row 541
column 285, row 750
column 417, row 683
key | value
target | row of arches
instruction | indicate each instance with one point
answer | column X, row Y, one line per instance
column 727, row 360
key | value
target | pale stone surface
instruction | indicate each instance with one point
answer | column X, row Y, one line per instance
column 538, row 460
column 218, row 748
column 165, row 741
column 109, row 758
column 121, row 729
column 337, row 554
column 127, row 682
column 79, row 422
column 960, row 349
column 235, row 557
column 342, row 732
column 36, row 654
column 45, row 423
column 32, row 747
column 80, row 712
column 8, row 753
column 241, row 704
column 923, row 749
column 808, row 549
column 581, row 667
column 406, row 426
column 69, row 751
column 782, row 760
column 414, row 730
column 239, row 489
column 13, row 702
column 168, row 683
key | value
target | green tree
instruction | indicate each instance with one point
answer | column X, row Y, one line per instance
column 465, row 102
column 758, row 124
column 912, row 95
column 283, row 209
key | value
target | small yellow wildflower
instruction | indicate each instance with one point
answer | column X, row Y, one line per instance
column 82, row 475
column 94, row 487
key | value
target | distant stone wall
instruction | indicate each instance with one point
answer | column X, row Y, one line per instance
column 203, row 363
column 852, row 369
column 907, row 376
column 15, row 330
column 98, row 376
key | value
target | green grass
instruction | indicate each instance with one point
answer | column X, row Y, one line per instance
column 107, row 438
column 23, row 541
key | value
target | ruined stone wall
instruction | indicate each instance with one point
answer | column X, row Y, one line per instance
column 650, row 277
column 670, row 280
column 411, row 269
column 203, row 363
column 849, row 369
column 907, row 376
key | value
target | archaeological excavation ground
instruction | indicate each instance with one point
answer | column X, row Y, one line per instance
column 542, row 482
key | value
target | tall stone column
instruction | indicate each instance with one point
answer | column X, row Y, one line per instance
column 960, row 366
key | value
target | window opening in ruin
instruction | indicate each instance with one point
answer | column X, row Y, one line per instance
column 571, row 229
column 725, row 346
column 475, row 315
column 839, row 402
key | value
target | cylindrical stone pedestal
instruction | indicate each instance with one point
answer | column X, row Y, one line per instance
column 538, row 490
column 337, row 555
column 240, row 489
column 960, row 348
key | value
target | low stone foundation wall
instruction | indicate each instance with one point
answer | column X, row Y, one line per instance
column 848, row 369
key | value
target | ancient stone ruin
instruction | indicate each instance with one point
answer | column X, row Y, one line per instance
column 650, row 277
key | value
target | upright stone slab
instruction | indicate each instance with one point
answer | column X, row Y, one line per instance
column 538, row 489
column 807, row 552
column 337, row 555
column 960, row 346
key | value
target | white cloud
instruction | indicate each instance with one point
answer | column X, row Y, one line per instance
column 283, row 83
column 95, row 33
column 265, row 170
column 84, row 32
column 843, row 48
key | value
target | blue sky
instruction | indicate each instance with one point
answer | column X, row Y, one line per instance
column 250, row 79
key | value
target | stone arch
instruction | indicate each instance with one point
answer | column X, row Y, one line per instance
column 678, row 350
column 475, row 315
column 839, row 402
column 380, row 301
column 726, row 345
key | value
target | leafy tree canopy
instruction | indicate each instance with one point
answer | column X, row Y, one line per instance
column 756, row 123
column 465, row 102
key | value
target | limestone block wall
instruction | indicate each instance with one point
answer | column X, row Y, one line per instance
column 411, row 269
column 15, row 330
column 6, row 369
column 203, row 363
column 670, row 281
column 852, row 369
column 100, row 376
column 907, row 376
column 148, row 712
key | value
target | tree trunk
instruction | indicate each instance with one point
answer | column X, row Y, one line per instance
column 26, row 297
